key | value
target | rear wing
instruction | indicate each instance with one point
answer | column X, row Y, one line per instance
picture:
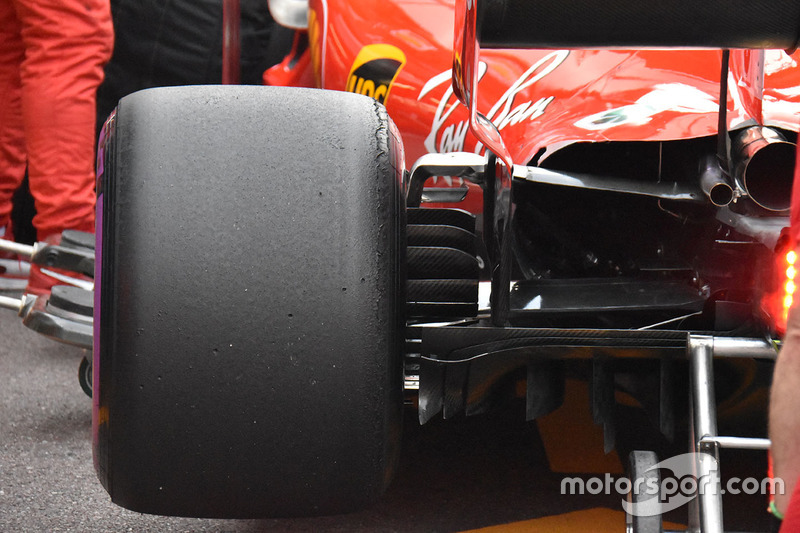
column 638, row 23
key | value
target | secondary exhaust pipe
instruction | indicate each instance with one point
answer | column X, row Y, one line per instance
column 764, row 166
column 714, row 182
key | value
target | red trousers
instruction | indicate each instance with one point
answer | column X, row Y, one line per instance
column 52, row 54
column 791, row 521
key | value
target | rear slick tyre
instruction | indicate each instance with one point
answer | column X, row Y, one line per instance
column 249, row 343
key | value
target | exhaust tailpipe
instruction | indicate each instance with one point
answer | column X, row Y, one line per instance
column 764, row 166
column 714, row 182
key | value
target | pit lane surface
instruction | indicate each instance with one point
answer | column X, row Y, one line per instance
column 485, row 472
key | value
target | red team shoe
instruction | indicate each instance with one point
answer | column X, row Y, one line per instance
column 14, row 270
column 43, row 279
column 14, row 274
column 18, row 276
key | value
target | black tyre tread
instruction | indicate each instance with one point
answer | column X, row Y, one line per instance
column 252, row 304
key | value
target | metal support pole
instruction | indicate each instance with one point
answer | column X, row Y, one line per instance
column 23, row 250
column 739, row 443
column 704, row 411
column 14, row 304
column 737, row 347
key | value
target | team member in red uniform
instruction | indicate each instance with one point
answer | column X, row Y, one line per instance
column 52, row 54
column 784, row 409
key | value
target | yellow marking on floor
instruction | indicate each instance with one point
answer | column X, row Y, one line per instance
column 597, row 520
column 572, row 441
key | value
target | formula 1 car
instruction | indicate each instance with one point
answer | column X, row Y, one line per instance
column 272, row 277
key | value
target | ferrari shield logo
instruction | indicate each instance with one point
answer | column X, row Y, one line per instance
column 374, row 70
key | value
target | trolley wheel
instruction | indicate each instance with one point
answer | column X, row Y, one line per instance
column 85, row 376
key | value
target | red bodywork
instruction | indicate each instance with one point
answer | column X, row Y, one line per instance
column 538, row 99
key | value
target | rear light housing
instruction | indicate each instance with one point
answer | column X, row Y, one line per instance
column 783, row 291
